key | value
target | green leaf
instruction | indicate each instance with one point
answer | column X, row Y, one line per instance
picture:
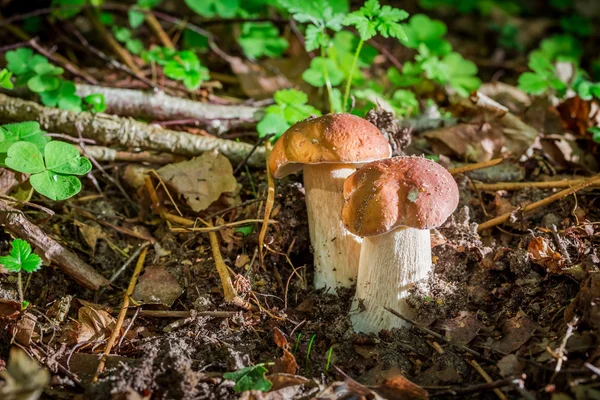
column 43, row 83
column 54, row 186
column 290, row 96
column 272, row 123
column 249, row 378
column 405, row 102
column 18, row 60
column 21, row 258
column 106, row 18
column 69, row 9
column 159, row 55
column 533, row 83
column 261, row 39
column 43, row 67
column 135, row 46
column 22, row 132
column 96, row 101
column 315, row 74
column 561, row 48
column 25, row 157
column 371, row 19
column 462, row 74
column 70, row 102
column 136, row 18
column 63, row 158
column 5, row 81
column 174, row 70
column 245, row 230
column 577, row 25
column 595, row 131
column 194, row 40
column 122, row 34
column 290, row 108
column 211, row 8
column 423, row 30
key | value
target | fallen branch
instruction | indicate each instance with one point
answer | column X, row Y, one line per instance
column 510, row 186
column 476, row 166
column 162, row 107
column 550, row 199
column 101, row 153
column 110, row 130
column 16, row 223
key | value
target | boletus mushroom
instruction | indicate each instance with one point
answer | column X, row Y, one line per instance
column 329, row 148
column 392, row 204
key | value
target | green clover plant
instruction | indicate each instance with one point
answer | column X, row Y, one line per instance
column 182, row 66
column 259, row 39
column 212, row 8
column 21, row 258
column 542, row 78
column 290, row 107
column 5, row 82
column 250, row 378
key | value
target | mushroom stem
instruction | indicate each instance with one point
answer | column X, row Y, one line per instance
column 336, row 251
column 390, row 264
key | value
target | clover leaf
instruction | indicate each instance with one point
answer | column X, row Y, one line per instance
column 5, row 82
column 290, row 107
column 422, row 29
column 22, row 132
column 249, row 378
column 462, row 74
column 17, row 60
column 52, row 174
column 543, row 77
column 187, row 68
column 45, row 78
column 262, row 39
column 372, row 18
column 21, row 258
column 96, row 102
column 315, row 75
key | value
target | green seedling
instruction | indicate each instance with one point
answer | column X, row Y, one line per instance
column 329, row 354
column 370, row 20
column 290, row 107
column 297, row 343
column 250, row 378
column 20, row 259
column 5, row 82
column 561, row 48
column 95, row 103
column 214, row 8
column 310, row 344
column 321, row 70
column 260, row 39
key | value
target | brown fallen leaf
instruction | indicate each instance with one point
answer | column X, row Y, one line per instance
column 90, row 234
column 157, row 286
column 463, row 328
column 542, row 254
column 24, row 330
column 516, row 332
column 575, row 113
column 23, row 377
column 201, row 180
column 400, row 388
column 92, row 325
column 9, row 309
column 287, row 363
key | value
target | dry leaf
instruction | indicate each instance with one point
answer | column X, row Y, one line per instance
column 24, row 379
column 90, row 234
column 463, row 328
column 575, row 113
column 9, row 309
column 400, row 388
column 157, row 286
column 587, row 302
column 201, row 180
column 517, row 331
column 25, row 329
column 287, row 363
column 92, row 325
column 541, row 253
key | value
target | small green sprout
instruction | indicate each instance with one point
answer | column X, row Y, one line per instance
column 5, row 82
column 250, row 378
column 20, row 259
column 290, row 107
column 186, row 67
column 310, row 344
column 595, row 131
column 329, row 354
column 123, row 35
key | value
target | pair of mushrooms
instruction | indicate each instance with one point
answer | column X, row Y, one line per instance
column 391, row 203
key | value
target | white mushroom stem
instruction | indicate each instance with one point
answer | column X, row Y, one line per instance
column 389, row 265
column 336, row 251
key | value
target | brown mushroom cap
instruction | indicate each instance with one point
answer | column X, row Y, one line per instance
column 402, row 191
column 332, row 138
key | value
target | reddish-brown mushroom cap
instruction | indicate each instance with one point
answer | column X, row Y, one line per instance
column 332, row 138
column 402, row 191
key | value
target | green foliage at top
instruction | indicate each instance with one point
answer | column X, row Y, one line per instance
column 260, row 39
column 21, row 258
column 212, row 8
column 421, row 29
column 67, row 8
column 595, row 131
column 543, row 77
column 561, row 48
column 372, row 19
column 40, row 76
column 5, row 82
column 577, row 25
column 182, row 65
column 290, row 107
column 320, row 16
column 52, row 165
column 250, row 378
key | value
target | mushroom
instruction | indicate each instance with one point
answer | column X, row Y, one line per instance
column 392, row 204
column 329, row 149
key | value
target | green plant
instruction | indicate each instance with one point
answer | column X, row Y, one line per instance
column 51, row 164
column 124, row 36
column 259, row 39
column 250, row 378
column 40, row 76
column 561, row 48
column 542, row 78
column 595, row 131
column 212, row 8
column 309, row 349
column 5, row 82
column 369, row 20
column 182, row 66
column 421, row 29
column 290, row 107
column 21, row 259
column 136, row 14
column 577, row 25
column 329, row 354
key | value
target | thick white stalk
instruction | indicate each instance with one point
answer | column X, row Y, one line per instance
column 336, row 251
column 389, row 265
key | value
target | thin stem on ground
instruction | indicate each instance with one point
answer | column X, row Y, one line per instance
column 352, row 68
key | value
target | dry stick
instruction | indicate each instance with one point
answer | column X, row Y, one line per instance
column 159, row 31
column 16, row 223
column 159, row 106
column 438, row 336
column 110, row 130
column 478, row 388
column 544, row 202
column 184, row 314
column 268, row 207
column 511, row 186
column 258, row 143
column 221, row 227
column 107, row 154
column 111, row 41
column 473, row 167
column 229, row 291
column 115, row 333
column 487, row 378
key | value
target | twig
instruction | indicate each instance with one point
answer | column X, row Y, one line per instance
column 66, row 64
column 122, row 313
column 15, row 222
column 108, row 130
column 221, row 227
column 258, row 143
column 228, row 209
column 478, row 388
column 386, row 53
column 184, row 314
column 511, row 186
column 268, row 207
column 437, row 335
column 120, row 229
column 133, row 318
column 563, row 345
column 135, row 255
column 111, row 41
column 487, row 378
column 101, row 153
column 550, row 199
column 158, row 30
column 473, row 167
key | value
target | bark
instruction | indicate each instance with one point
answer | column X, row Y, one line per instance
column 389, row 265
column 336, row 250
column 112, row 130
column 159, row 106
column 16, row 223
